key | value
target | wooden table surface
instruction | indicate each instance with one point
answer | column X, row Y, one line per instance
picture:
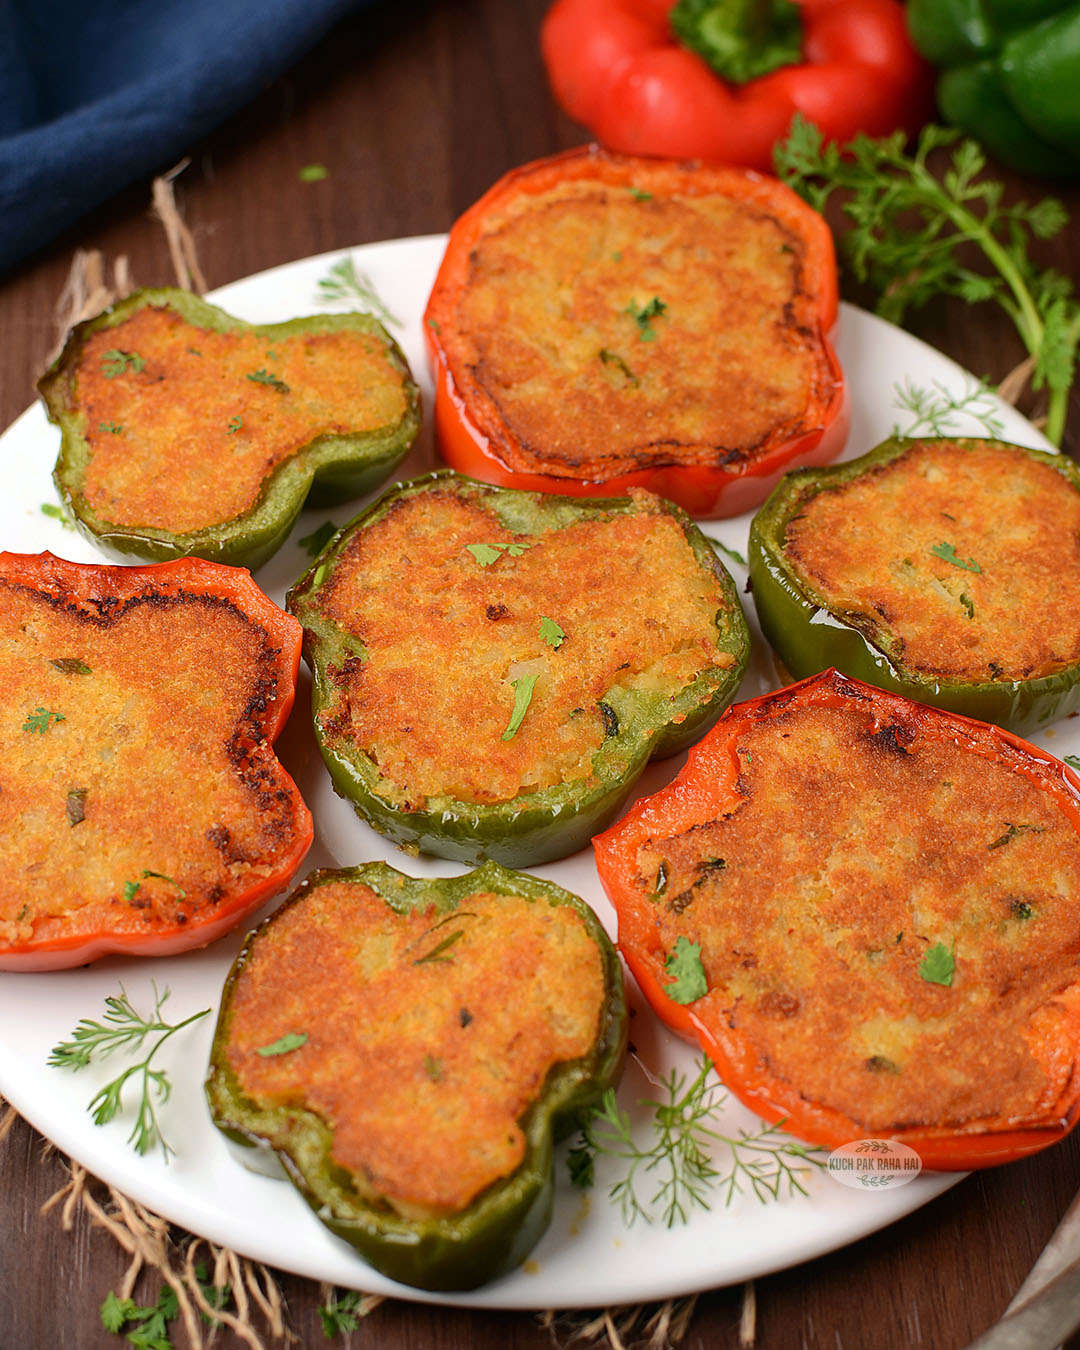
column 415, row 110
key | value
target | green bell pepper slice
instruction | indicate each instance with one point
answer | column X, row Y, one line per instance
column 809, row 636
column 498, row 1229
column 537, row 826
column 332, row 467
column 1009, row 75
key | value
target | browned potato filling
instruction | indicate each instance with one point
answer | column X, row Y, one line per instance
column 428, row 1035
column 185, row 424
column 855, row 855
column 445, row 636
column 921, row 553
column 128, row 799
column 607, row 324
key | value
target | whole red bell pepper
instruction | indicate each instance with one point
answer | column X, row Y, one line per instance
column 642, row 75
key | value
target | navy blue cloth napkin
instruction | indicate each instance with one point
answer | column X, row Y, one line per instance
column 96, row 94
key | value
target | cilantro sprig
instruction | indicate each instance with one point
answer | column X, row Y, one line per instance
column 680, row 1160
column 947, row 553
column 264, row 376
column 341, row 1315
column 116, row 362
column 118, row 1315
column 939, row 411
column 284, row 1045
column 125, row 1028
column 314, row 543
column 345, row 281
column 938, row 966
column 41, row 719
column 643, row 316
column 684, row 964
column 523, row 692
column 911, row 233
column 486, row 554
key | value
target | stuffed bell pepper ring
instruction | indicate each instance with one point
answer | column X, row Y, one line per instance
column 601, row 322
column 946, row 570
column 475, row 697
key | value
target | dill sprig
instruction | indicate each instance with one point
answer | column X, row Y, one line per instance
column 124, row 1027
column 346, row 281
column 679, row 1161
column 937, row 411
column 909, row 229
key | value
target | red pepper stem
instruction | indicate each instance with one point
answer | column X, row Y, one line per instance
column 740, row 39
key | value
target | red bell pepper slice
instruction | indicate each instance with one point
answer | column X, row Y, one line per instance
column 475, row 438
column 708, row 788
column 150, row 913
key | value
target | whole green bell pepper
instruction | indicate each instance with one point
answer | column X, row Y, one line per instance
column 1009, row 75
column 496, row 1230
column 640, row 723
column 811, row 633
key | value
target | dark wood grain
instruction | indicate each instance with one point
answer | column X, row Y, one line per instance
column 415, row 110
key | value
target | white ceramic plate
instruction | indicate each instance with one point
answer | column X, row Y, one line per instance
column 588, row 1256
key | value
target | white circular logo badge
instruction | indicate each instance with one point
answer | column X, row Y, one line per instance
column 873, row 1164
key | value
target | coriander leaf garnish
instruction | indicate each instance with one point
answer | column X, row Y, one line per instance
column 969, row 606
column 938, row 412
column 41, row 719
column 313, row 173
column 132, row 888
column 1012, row 832
column 314, row 543
column 347, row 282
column 911, row 235
column 152, row 1333
column 263, row 376
column 125, row 1028
column 639, row 195
column 679, row 1158
column 939, row 964
column 235, row 424
column 292, row 1040
column 523, row 692
column 438, row 952
column 114, row 428
column 947, row 553
column 71, row 665
column 56, row 513
column 486, row 554
column 551, row 633
column 644, row 316
column 433, row 1068
column 684, row 963
column 340, row 1316
column 614, row 359
column 115, row 362
column 728, row 552
column 581, row 1164
column 75, row 805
